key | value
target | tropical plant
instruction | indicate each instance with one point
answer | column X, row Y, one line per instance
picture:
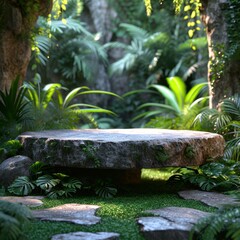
column 53, row 185
column 223, row 224
column 177, row 105
column 226, row 121
column 14, row 113
column 147, row 56
column 44, row 179
column 9, row 149
column 214, row 176
column 52, row 110
column 65, row 45
column 13, row 218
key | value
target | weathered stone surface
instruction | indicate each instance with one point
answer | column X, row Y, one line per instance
column 14, row 167
column 30, row 201
column 212, row 199
column 74, row 213
column 171, row 223
column 86, row 236
column 122, row 148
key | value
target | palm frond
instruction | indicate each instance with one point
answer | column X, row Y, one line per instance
column 232, row 106
column 134, row 31
column 9, row 227
column 223, row 223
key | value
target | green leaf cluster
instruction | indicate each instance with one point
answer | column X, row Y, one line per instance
column 44, row 180
column 54, row 109
column 9, row 149
column 174, row 102
column 226, row 121
column 13, row 218
column 53, row 185
column 223, row 224
column 218, row 176
column 14, row 112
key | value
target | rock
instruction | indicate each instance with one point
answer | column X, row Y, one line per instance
column 86, row 236
column 122, row 148
column 212, row 199
column 74, row 213
column 171, row 223
column 14, row 167
column 30, row 201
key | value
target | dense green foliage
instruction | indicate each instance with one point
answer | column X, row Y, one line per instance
column 13, row 220
column 54, row 184
column 176, row 108
column 223, row 224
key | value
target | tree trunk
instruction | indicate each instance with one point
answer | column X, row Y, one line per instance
column 17, row 18
column 223, row 68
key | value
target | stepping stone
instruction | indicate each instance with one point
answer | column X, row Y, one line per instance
column 212, row 199
column 86, row 236
column 122, row 148
column 30, row 201
column 74, row 213
column 172, row 223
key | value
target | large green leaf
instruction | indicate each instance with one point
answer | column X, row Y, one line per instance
column 168, row 95
column 21, row 186
column 47, row 182
column 178, row 86
column 72, row 95
column 48, row 92
column 194, row 92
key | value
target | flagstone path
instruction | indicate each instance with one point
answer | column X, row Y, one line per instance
column 167, row 223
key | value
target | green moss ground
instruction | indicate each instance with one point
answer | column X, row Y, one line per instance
column 117, row 214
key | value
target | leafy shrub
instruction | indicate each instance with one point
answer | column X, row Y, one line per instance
column 53, row 110
column 226, row 121
column 9, row 149
column 14, row 112
column 175, row 106
column 13, row 217
column 218, row 176
column 54, row 185
column 44, row 180
column 223, row 224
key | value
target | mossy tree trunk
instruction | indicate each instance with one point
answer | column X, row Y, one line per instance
column 224, row 58
column 17, row 19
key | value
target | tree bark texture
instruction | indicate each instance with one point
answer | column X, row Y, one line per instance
column 223, row 71
column 17, row 18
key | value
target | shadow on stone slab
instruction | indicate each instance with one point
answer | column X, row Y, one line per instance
column 212, row 199
column 172, row 223
column 86, row 236
column 30, row 201
column 74, row 213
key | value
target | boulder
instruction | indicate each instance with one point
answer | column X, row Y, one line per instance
column 122, row 148
column 14, row 167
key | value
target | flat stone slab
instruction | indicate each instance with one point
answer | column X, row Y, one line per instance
column 30, row 201
column 212, row 199
column 122, row 148
column 74, row 213
column 86, row 236
column 170, row 223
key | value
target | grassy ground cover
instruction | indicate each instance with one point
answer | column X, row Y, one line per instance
column 117, row 214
